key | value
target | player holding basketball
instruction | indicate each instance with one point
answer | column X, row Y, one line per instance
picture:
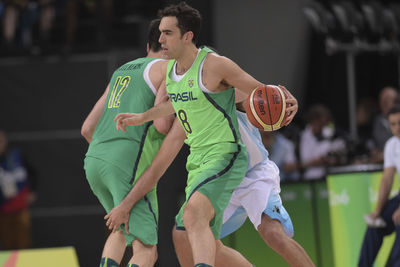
column 115, row 160
column 257, row 197
column 217, row 161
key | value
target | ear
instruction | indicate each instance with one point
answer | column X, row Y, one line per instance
column 189, row 36
column 147, row 48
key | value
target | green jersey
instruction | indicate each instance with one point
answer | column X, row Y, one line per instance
column 208, row 118
column 130, row 91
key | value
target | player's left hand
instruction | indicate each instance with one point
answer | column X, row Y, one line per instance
column 128, row 119
column 117, row 216
column 291, row 106
column 396, row 216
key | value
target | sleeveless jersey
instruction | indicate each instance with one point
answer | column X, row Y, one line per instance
column 130, row 91
column 207, row 118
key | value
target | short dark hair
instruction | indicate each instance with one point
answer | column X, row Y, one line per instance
column 317, row 112
column 189, row 18
column 394, row 109
column 153, row 34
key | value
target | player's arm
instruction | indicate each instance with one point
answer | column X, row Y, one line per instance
column 168, row 151
column 384, row 190
column 89, row 125
column 133, row 119
column 163, row 125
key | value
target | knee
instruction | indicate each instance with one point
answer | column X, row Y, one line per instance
column 192, row 218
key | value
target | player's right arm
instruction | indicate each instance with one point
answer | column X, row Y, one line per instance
column 384, row 190
column 167, row 153
column 89, row 125
column 133, row 119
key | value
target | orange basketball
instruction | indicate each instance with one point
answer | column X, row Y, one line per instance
column 266, row 107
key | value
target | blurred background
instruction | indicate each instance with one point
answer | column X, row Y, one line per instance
column 339, row 58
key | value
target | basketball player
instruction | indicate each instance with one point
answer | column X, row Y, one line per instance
column 257, row 197
column 217, row 161
column 115, row 160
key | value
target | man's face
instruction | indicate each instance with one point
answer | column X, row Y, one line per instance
column 394, row 122
column 170, row 39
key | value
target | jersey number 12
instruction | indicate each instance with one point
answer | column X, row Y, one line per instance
column 122, row 84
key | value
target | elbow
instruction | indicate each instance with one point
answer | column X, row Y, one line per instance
column 162, row 128
column 163, row 125
column 86, row 133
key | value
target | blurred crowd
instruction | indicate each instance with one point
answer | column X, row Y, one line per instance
column 307, row 151
column 47, row 26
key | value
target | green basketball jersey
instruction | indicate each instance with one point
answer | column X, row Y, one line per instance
column 207, row 118
column 128, row 92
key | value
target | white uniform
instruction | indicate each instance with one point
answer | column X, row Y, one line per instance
column 259, row 191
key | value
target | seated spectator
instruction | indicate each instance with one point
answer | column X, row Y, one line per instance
column 387, row 208
column 282, row 151
column 318, row 143
column 15, row 198
column 381, row 129
column 19, row 18
column 362, row 150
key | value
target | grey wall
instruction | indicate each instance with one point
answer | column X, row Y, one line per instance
column 268, row 39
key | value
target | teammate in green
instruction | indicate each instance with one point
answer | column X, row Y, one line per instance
column 200, row 86
column 115, row 160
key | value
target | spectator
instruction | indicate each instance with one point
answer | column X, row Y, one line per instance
column 381, row 129
column 100, row 9
column 20, row 16
column 282, row 151
column 386, row 209
column 318, row 143
column 363, row 147
column 15, row 197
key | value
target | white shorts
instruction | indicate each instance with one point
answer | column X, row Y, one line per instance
column 256, row 195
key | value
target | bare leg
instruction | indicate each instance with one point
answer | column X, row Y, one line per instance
column 143, row 255
column 196, row 217
column 10, row 23
column 182, row 248
column 228, row 257
column 115, row 246
column 225, row 256
column 272, row 233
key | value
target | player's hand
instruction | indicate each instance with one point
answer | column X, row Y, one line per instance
column 117, row 216
column 128, row 119
column 291, row 106
column 373, row 215
column 396, row 217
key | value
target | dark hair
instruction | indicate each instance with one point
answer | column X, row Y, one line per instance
column 394, row 109
column 318, row 111
column 189, row 18
column 153, row 35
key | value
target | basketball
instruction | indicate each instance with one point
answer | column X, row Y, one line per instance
column 266, row 107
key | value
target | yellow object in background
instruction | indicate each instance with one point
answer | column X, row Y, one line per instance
column 46, row 257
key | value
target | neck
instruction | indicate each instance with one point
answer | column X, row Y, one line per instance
column 154, row 54
column 185, row 61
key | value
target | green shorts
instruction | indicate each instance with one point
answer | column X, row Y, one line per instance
column 111, row 184
column 215, row 172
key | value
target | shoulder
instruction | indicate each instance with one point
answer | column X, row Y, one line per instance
column 159, row 65
column 392, row 142
column 217, row 61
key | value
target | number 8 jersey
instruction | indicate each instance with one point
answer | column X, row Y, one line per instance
column 207, row 118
